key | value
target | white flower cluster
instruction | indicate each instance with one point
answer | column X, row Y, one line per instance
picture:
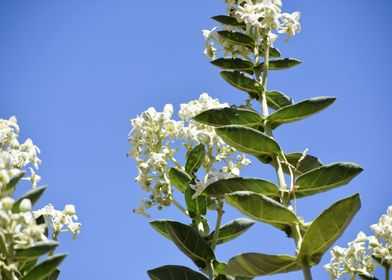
column 14, row 156
column 155, row 139
column 259, row 16
column 60, row 221
column 354, row 260
column 359, row 258
column 382, row 243
column 17, row 230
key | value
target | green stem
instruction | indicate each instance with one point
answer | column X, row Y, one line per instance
column 179, row 206
column 387, row 268
column 210, row 269
column 218, row 223
column 306, row 271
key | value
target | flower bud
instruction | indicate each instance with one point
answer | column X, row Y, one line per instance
column 69, row 210
column 7, row 203
column 25, row 205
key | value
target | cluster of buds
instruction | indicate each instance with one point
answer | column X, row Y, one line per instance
column 156, row 139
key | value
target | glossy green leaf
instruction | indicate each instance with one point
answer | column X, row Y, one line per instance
column 277, row 100
column 263, row 209
column 190, row 243
column 248, row 140
column 231, row 230
column 300, row 110
column 327, row 228
column 174, row 272
column 179, row 179
column 236, row 64
column 237, row 38
column 33, row 195
column 227, row 186
column 160, row 226
column 243, row 82
column 14, row 180
column 45, row 268
column 306, row 164
column 229, row 21
column 38, row 249
column 195, row 159
column 196, row 206
column 254, row 264
column 326, row 178
column 229, row 116
column 280, row 64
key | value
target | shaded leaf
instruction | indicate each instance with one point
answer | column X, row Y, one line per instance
column 229, row 21
column 160, row 226
column 196, row 206
column 54, row 275
column 227, row 186
column 254, row 264
column 308, row 163
column 45, row 268
column 236, row 64
column 277, row 100
column 237, row 38
column 263, row 209
column 273, row 52
column 38, row 249
column 190, row 243
column 325, row 178
column 195, row 159
column 327, row 228
column 14, row 181
column 248, row 140
column 174, row 272
column 229, row 116
column 33, row 195
column 231, row 230
column 179, row 179
column 300, row 110
column 280, row 64
column 242, row 82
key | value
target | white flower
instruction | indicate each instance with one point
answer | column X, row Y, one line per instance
column 25, row 205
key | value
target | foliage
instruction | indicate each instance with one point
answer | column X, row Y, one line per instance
column 211, row 133
column 25, row 234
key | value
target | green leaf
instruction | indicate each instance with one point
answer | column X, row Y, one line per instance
column 196, row 206
column 277, row 100
column 307, row 163
column 229, row 21
column 326, row 178
column 273, row 52
column 299, row 110
column 231, row 230
column 160, row 226
column 179, row 179
column 280, row 64
column 174, row 272
column 195, row 159
column 229, row 116
column 327, row 228
column 45, row 268
column 263, row 209
column 236, row 64
column 237, row 38
column 54, row 275
column 38, row 249
column 33, row 195
column 227, row 186
column 254, row 264
column 248, row 140
column 190, row 243
column 14, row 180
column 242, row 82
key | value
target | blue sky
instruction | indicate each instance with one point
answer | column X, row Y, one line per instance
column 75, row 72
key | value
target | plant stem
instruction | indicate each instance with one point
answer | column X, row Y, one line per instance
column 306, row 271
column 210, row 269
column 387, row 268
column 218, row 223
column 179, row 206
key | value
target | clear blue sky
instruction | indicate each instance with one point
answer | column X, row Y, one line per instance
column 75, row 72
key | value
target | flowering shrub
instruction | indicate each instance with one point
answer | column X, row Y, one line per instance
column 25, row 234
column 217, row 138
